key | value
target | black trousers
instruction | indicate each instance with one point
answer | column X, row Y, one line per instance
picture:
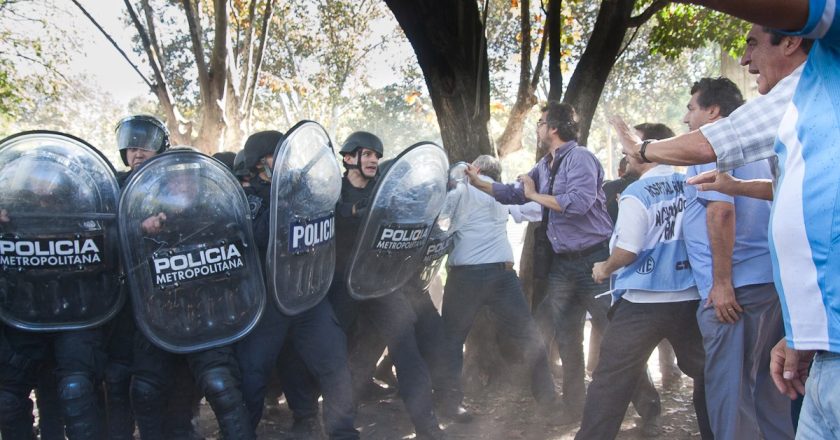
column 79, row 364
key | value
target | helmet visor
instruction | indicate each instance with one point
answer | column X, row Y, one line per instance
column 141, row 134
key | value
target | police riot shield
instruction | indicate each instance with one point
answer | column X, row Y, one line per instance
column 393, row 235
column 305, row 186
column 58, row 233
column 441, row 239
column 189, row 254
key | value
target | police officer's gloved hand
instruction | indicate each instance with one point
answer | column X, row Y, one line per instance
column 361, row 208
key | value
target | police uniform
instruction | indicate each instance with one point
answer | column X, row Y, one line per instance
column 316, row 337
column 391, row 316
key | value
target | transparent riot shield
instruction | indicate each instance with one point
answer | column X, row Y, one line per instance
column 441, row 238
column 305, row 186
column 189, row 253
column 58, row 233
column 392, row 240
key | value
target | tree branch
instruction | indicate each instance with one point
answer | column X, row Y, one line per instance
column 114, row 43
column 540, row 60
column 161, row 88
column 645, row 15
column 150, row 25
column 246, row 52
column 194, row 28
column 218, row 59
column 266, row 26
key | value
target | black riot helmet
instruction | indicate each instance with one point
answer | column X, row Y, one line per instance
column 226, row 157
column 362, row 139
column 259, row 145
column 239, row 169
column 141, row 131
column 354, row 144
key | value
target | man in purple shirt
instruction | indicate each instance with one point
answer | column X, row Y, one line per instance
column 578, row 229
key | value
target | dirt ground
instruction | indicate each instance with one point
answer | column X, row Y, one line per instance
column 499, row 414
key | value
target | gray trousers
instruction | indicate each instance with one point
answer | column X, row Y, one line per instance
column 743, row 403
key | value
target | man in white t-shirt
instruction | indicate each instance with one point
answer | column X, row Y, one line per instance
column 657, row 299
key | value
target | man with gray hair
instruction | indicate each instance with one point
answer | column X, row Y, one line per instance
column 480, row 273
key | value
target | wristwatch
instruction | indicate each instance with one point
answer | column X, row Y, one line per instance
column 642, row 150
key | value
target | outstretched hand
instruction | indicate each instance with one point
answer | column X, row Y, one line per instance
column 712, row 180
column 630, row 141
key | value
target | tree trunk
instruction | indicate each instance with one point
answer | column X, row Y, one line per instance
column 448, row 39
column 596, row 63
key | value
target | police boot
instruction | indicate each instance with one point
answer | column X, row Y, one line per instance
column 80, row 411
column 15, row 417
column 221, row 390
column 148, row 401
column 117, row 391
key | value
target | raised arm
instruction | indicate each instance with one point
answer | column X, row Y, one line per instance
column 778, row 14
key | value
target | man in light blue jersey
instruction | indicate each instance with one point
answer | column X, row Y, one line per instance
column 657, row 299
column 805, row 221
column 739, row 316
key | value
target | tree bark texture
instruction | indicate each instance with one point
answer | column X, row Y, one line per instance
column 448, row 39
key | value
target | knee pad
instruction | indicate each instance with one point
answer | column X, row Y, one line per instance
column 221, row 389
column 145, row 393
column 75, row 386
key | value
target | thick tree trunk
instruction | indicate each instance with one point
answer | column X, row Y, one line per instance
column 448, row 39
column 597, row 61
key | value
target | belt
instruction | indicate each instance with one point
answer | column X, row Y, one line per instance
column 574, row 255
column 485, row 266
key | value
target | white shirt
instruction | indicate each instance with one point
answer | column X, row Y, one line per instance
column 529, row 212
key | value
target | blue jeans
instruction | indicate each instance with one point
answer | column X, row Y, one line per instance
column 820, row 416
column 321, row 344
column 570, row 293
column 468, row 289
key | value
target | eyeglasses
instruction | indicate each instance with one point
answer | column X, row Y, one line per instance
column 540, row 123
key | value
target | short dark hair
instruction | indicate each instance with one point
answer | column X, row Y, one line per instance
column 562, row 116
column 776, row 38
column 654, row 130
column 719, row 91
column 622, row 163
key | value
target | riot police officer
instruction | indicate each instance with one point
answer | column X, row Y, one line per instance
column 54, row 303
column 139, row 137
column 316, row 338
column 390, row 316
column 168, row 215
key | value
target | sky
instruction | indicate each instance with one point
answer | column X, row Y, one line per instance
column 99, row 59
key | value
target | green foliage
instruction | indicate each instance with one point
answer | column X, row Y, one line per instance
column 9, row 92
column 679, row 27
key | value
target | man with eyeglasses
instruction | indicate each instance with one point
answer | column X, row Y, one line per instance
column 567, row 183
